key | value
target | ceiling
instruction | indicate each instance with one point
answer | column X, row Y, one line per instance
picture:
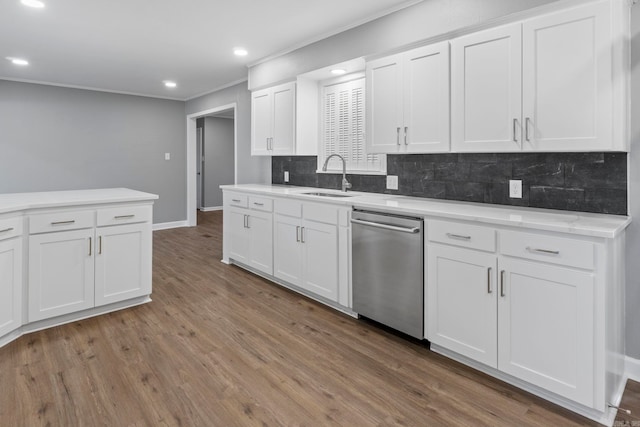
column 132, row 46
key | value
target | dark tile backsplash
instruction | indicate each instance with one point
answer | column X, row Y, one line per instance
column 586, row 182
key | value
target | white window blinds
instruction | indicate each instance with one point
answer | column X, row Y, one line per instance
column 343, row 129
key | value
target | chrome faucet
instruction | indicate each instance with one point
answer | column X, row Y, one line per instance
column 345, row 183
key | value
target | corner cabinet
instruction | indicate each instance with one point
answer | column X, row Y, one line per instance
column 545, row 84
column 533, row 305
column 273, row 120
column 10, row 274
column 407, row 104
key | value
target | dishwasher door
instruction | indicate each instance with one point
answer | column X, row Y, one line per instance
column 388, row 270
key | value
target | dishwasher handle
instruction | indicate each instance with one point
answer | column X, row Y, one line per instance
column 411, row 230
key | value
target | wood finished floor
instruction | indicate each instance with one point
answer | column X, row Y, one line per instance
column 221, row 347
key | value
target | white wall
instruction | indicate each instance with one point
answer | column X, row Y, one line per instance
column 249, row 169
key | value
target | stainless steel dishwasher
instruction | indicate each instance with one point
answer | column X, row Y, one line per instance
column 388, row 269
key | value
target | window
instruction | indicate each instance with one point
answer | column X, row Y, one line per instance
column 342, row 107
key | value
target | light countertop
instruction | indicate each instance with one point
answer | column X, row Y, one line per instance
column 11, row 202
column 580, row 223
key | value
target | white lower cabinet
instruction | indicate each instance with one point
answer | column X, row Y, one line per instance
column 61, row 273
column 520, row 306
column 10, row 284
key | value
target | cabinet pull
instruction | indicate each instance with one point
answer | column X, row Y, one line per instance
column 6, row 230
column 398, row 136
column 236, row 200
column 99, row 245
column 302, row 234
column 248, row 225
column 258, row 204
column 543, row 251
column 297, row 233
column 405, row 135
column 458, row 236
column 268, row 144
column 526, row 128
column 63, row 222
column 515, row 130
column 90, row 245
column 489, row 290
column 502, row 294
column 123, row 216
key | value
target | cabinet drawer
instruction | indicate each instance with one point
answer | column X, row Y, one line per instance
column 555, row 250
column 261, row 204
column 240, row 200
column 124, row 215
column 321, row 213
column 289, row 207
column 461, row 234
column 61, row 221
column 10, row 227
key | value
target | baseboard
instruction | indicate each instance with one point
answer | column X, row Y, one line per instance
column 211, row 209
column 632, row 368
column 168, row 225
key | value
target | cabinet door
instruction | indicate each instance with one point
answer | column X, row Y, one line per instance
column 123, row 263
column 567, row 84
column 486, row 99
column 284, row 120
column 545, row 327
column 287, row 249
column 426, row 99
column 260, row 226
column 10, row 285
column 239, row 242
column 61, row 269
column 384, row 104
column 461, row 302
column 261, row 122
column 320, row 259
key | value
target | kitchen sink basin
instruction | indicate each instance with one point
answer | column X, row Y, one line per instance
column 321, row 194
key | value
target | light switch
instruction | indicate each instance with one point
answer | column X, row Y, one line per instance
column 515, row 189
column 167, row 156
column 286, row 176
column 392, row 182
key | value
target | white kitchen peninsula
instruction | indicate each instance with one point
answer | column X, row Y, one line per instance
column 534, row 297
column 69, row 255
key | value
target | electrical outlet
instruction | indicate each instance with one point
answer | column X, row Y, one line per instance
column 392, row 182
column 286, row 176
column 515, row 188
column 167, row 156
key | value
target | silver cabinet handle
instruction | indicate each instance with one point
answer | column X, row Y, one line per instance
column 458, row 236
column 301, row 234
column 123, row 216
column 405, row 135
column 489, row 290
column 386, row 226
column 99, row 245
column 268, row 144
column 543, row 251
column 6, row 230
column 297, row 233
column 248, row 225
column 258, row 204
column 398, row 136
column 244, row 221
column 271, row 143
column 90, row 245
column 515, row 130
column 236, row 200
column 526, row 128
column 63, row 222
column 502, row 294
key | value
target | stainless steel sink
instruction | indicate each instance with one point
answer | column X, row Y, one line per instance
column 321, row 194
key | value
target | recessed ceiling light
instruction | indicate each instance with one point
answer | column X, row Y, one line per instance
column 170, row 84
column 18, row 61
column 33, row 3
column 240, row 51
column 338, row 71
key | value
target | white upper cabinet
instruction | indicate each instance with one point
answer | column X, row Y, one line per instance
column 542, row 85
column 567, row 80
column 408, row 101
column 486, row 90
column 273, row 120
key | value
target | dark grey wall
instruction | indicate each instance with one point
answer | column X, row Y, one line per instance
column 586, row 182
column 218, row 155
column 54, row 138
column 250, row 169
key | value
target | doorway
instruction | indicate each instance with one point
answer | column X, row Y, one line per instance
column 211, row 158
